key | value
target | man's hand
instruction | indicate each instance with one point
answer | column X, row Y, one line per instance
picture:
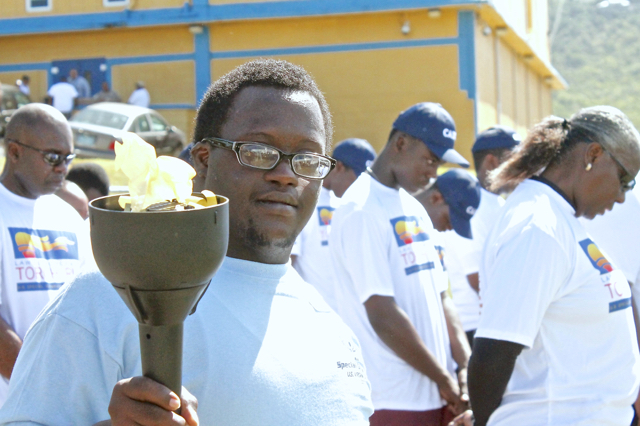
column 142, row 401
column 464, row 419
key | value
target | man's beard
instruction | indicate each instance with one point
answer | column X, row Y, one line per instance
column 255, row 238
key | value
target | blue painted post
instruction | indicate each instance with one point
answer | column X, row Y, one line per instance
column 467, row 58
column 202, row 63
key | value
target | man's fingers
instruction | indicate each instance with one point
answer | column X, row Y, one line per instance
column 144, row 389
column 189, row 408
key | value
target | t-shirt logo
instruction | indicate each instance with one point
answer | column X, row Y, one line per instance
column 325, row 214
column 408, row 230
column 43, row 244
column 596, row 257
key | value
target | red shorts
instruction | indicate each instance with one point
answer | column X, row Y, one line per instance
column 438, row 417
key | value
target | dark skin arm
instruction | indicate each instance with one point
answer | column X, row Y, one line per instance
column 490, row 369
column 395, row 329
column 474, row 281
column 460, row 349
column 10, row 345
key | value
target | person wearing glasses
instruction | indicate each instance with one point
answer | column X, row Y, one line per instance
column 391, row 281
column 556, row 342
column 263, row 348
column 43, row 239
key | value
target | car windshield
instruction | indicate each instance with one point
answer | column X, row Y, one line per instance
column 100, row 118
column 14, row 99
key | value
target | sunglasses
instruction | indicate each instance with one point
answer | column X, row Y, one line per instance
column 627, row 182
column 52, row 158
column 265, row 157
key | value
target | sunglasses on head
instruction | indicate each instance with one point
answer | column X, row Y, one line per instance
column 52, row 158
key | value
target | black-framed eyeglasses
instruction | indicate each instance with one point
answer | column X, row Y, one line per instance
column 52, row 158
column 627, row 182
column 265, row 157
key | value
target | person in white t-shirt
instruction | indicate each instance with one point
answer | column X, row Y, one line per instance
column 491, row 148
column 262, row 348
column 43, row 239
column 310, row 254
column 390, row 279
column 64, row 96
column 556, row 341
column 140, row 96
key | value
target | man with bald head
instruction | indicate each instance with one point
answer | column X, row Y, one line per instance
column 43, row 238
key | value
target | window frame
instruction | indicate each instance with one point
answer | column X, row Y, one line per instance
column 30, row 8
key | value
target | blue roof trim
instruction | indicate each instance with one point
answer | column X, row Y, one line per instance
column 172, row 106
column 25, row 67
column 201, row 12
column 150, row 58
column 334, row 48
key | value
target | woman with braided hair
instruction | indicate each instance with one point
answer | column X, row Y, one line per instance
column 556, row 342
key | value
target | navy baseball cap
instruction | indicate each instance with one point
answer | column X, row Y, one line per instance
column 355, row 153
column 496, row 137
column 434, row 126
column 461, row 191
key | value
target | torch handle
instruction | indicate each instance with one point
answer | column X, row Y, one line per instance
column 161, row 350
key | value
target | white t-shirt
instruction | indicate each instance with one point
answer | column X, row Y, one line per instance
column 63, row 95
column 44, row 244
column 262, row 348
column 547, row 286
column 140, row 97
column 463, row 257
column 618, row 233
column 312, row 257
column 381, row 244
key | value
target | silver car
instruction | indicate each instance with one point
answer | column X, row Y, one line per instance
column 98, row 127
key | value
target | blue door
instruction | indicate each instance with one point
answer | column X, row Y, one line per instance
column 95, row 70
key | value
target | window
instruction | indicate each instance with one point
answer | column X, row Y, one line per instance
column 141, row 125
column 157, row 124
column 113, row 3
column 39, row 5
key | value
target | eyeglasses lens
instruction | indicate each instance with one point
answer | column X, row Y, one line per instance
column 56, row 159
column 258, row 156
column 310, row 165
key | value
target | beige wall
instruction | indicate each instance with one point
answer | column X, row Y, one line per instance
column 17, row 8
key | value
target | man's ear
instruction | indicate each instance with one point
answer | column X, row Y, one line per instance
column 490, row 162
column 13, row 152
column 401, row 142
column 436, row 198
column 200, row 157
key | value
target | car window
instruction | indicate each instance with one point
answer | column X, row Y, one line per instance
column 100, row 118
column 157, row 123
column 21, row 99
column 141, row 124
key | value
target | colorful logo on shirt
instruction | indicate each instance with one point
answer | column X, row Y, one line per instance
column 325, row 214
column 43, row 244
column 408, row 229
column 596, row 257
column 440, row 251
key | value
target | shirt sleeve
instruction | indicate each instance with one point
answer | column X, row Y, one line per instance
column 366, row 251
column 519, row 284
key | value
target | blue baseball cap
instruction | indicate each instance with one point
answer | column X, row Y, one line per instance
column 355, row 153
column 434, row 126
column 461, row 191
column 496, row 137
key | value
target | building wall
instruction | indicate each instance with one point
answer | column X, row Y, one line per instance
column 367, row 68
column 509, row 91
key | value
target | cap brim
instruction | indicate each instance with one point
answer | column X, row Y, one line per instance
column 451, row 156
column 460, row 224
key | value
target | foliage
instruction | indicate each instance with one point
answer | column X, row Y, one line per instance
column 597, row 51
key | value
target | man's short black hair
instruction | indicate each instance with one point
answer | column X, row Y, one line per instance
column 90, row 175
column 278, row 74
